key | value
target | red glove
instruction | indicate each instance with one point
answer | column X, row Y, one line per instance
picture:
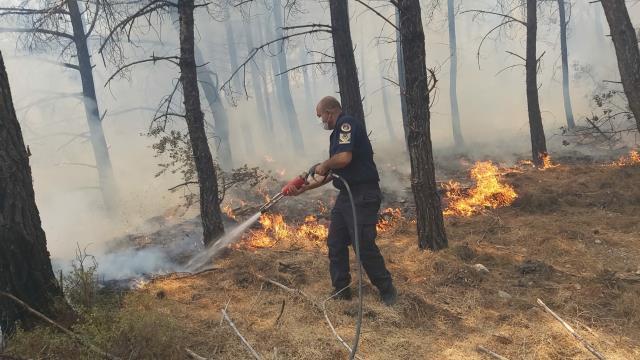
column 292, row 186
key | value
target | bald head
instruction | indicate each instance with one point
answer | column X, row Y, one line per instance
column 329, row 103
column 328, row 110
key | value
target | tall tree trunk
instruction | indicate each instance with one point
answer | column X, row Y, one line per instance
column 209, row 86
column 308, row 94
column 453, row 77
column 207, row 177
column 625, row 42
column 565, row 66
column 98, row 141
column 430, row 222
column 385, row 100
column 283, row 80
column 345, row 60
column 538, row 141
column 401, row 78
column 266, row 120
column 25, row 268
column 247, row 137
column 265, row 86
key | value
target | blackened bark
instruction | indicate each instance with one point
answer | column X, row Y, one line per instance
column 345, row 60
column 288, row 107
column 25, row 268
column 401, row 80
column 565, row 66
column 625, row 42
column 207, row 177
column 430, row 222
column 96, row 134
column 209, row 86
column 538, row 141
column 453, row 77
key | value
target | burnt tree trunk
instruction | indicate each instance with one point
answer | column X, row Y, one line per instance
column 430, row 222
column 625, row 42
column 453, row 77
column 207, row 177
column 401, row 80
column 345, row 60
column 96, row 134
column 538, row 141
column 25, row 268
column 565, row 66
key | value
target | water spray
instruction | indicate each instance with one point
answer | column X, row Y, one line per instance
column 200, row 259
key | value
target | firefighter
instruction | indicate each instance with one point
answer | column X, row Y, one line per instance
column 350, row 157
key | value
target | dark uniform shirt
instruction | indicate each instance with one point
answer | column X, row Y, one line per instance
column 349, row 135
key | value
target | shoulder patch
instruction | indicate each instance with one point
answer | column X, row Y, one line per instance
column 345, row 138
column 345, row 127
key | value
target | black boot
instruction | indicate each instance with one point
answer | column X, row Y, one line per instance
column 389, row 296
column 342, row 295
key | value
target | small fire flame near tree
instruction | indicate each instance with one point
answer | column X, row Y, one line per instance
column 488, row 192
column 633, row 159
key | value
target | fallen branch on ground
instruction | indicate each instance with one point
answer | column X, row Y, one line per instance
column 75, row 336
column 194, row 356
column 484, row 350
column 570, row 329
column 321, row 307
column 244, row 341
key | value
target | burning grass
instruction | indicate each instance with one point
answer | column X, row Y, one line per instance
column 488, row 192
column 632, row 159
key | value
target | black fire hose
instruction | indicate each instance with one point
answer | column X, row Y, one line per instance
column 356, row 247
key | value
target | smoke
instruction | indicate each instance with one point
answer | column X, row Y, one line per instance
column 493, row 115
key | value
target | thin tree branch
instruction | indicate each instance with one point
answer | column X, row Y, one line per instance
column 377, row 13
column 285, row 28
column 495, row 13
column 40, row 31
column 153, row 59
column 303, row 65
column 95, row 18
column 516, row 55
column 244, row 341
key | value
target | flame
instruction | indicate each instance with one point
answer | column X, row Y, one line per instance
column 389, row 219
column 547, row 163
column 488, row 192
column 229, row 211
column 633, row 159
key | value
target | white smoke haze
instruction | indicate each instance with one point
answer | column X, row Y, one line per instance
column 492, row 107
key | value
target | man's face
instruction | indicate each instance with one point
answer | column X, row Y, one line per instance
column 327, row 117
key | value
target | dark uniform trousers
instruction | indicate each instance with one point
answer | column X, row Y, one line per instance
column 367, row 198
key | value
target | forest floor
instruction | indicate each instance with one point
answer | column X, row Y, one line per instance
column 570, row 239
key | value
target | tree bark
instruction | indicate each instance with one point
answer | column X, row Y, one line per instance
column 401, row 79
column 25, row 267
column 345, row 60
column 98, row 141
column 458, row 140
column 565, row 66
column 288, row 108
column 430, row 222
column 538, row 141
column 207, row 177
column 625, row 42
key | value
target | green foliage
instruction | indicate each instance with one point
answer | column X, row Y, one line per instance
column 81, row 284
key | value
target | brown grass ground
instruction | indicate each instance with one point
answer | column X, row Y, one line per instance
column 573, row 228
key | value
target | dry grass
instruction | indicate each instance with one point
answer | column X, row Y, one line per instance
column 564, row 239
